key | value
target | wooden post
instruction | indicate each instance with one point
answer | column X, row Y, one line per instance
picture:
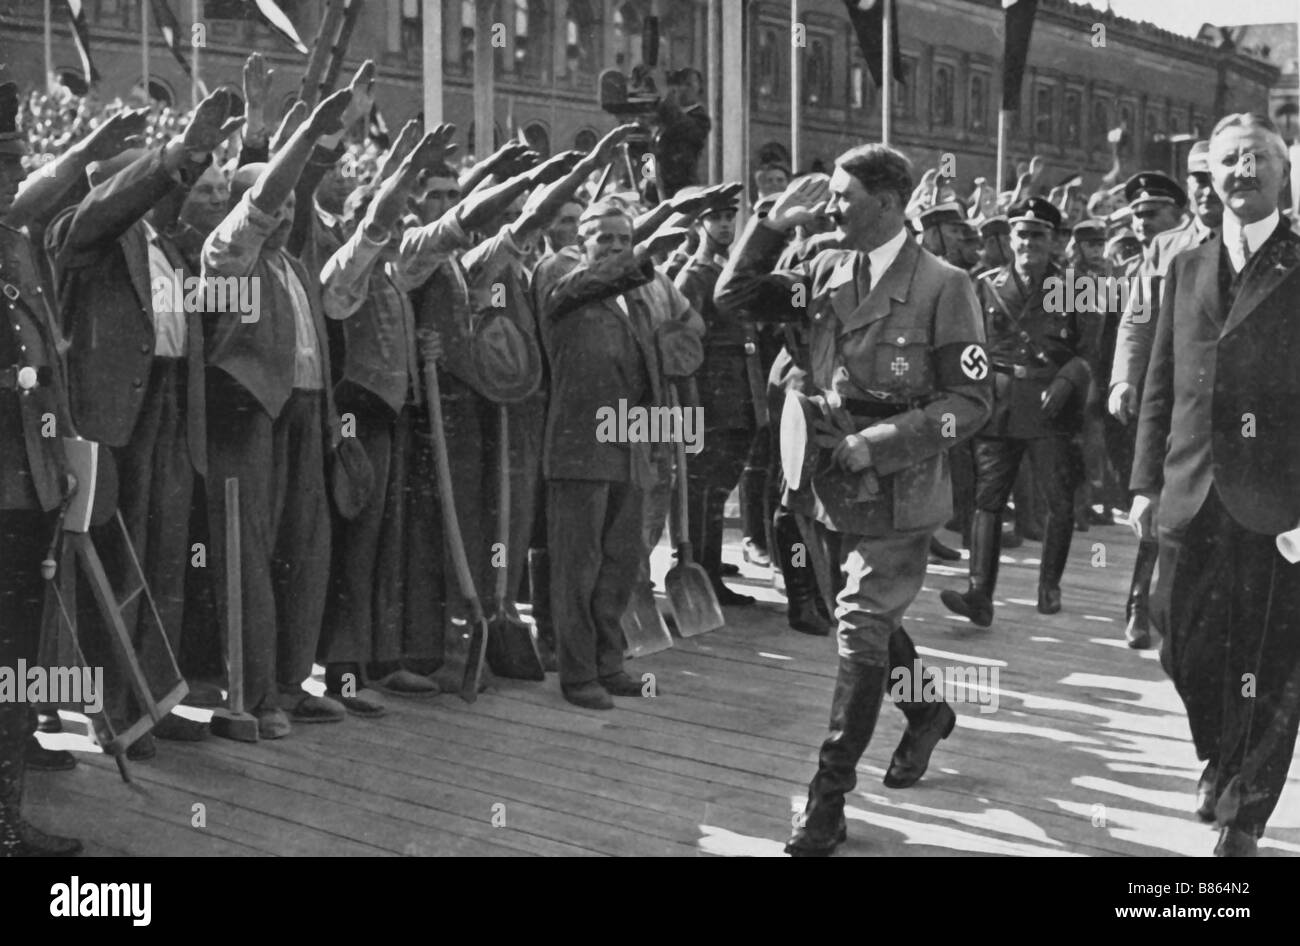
column 1002, row 150
column 713, row 72
column 144, row 49
column 732, row 124
column 886, row 72
column 431, row 20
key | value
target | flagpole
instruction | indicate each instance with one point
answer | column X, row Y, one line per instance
column 795, row 92
column 713, row 70
column 144, row 49
column 886, row 71
column 1002, row 150
column 49, row 51
column 196, row 83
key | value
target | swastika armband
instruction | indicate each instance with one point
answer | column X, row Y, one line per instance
column 963, row 363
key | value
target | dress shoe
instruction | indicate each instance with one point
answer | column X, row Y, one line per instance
column 317, row 709
column 974, row 604
column 180, row 729
column 1049, row 599
column 942, row 553
column 33, row 842
column 272, row 724
column 203, row 695
column 358, row 705
column 728, row 598
column 143, row 749
column 1237, row 842
column 755, row 554
column 36, row 756
column 623, row 684
column 804, row 843
column 912, row 756
column 405, row 683
column 1206, row 799
column 589, row 696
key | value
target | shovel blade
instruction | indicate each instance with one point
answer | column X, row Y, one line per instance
column 695, row 606
column 464, row 651
column 475, row 659
column 643, row 626
column 512, row 649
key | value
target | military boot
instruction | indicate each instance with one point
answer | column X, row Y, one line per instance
column 1056, row 552
column 859, row 691
column 1137, row 612
column 986, row 541
column 805, row 610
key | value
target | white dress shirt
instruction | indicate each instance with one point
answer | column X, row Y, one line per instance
column 1256, row 234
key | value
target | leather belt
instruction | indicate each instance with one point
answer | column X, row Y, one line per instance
column 1025, row 371
column 873, row 409
column 25, row 378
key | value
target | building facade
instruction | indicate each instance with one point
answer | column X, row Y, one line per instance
column 1088, row 72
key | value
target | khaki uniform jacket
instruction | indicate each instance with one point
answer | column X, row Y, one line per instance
column 914, row 344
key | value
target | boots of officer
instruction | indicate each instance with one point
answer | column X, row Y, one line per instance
column 1137, row 612
column 539, row 584
column 18, row 836
column 806, row 611
column 986, row 545
column 1056, row 551
column 859, row 691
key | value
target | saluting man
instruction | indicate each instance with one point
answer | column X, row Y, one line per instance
column 1041, row 380
column 898, row 356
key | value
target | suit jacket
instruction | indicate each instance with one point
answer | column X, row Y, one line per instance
column 598, row 357
column 723, row 379
column 32, row 464
column 1222, row 401
column 1137, row 327
column 915, row 343
column 106, row 296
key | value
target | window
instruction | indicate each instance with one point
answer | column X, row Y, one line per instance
column 1126, row 121
column 817, row 74
column 977, row 109
column 904, row 105
column 1072, row 114
column 467, row 36
column 412, row 34
column 1100, row 123
column 584, row 141
column 1043, row 113
column 530, row 37
column 767, row 64
column 538, row 138
column 579, row 38
column 627, row 36
column 941, row 106
column 858, row 86
column 1155, row 125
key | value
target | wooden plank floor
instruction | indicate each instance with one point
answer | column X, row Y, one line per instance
column 1085, row 751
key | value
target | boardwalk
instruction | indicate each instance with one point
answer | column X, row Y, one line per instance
column 1087, row 754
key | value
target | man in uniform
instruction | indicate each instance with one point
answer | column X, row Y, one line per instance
column 33, row 480
column 901, row 386
column 1041, row 381
column 995, row 233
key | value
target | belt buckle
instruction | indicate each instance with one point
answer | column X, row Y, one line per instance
column 1020, row 371
column 11, row 292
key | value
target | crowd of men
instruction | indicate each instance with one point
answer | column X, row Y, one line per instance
column 897, row 348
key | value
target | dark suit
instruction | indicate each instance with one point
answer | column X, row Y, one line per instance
column 1217, row 437
column 148, row 407
column 32, row 483
column 595, row 490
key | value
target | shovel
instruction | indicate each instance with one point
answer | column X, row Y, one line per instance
column 695, row 606
column 234, row 722
column 465, row 640
column 511, row 650
column 643, row 626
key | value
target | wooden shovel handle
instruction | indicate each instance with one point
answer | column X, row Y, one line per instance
column 503, row 510
column 451, row 521
column 683, row 493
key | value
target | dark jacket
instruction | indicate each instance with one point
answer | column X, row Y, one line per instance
column 1222, row 392
column 106, row 298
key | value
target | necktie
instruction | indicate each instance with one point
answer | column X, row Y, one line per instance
column 864, row 278
column 1245, row 251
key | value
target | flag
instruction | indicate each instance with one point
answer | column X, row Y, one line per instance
column 868, row 19
column 1020, row 23
column 171, row 30
column 266, row 10
column 81, row 38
